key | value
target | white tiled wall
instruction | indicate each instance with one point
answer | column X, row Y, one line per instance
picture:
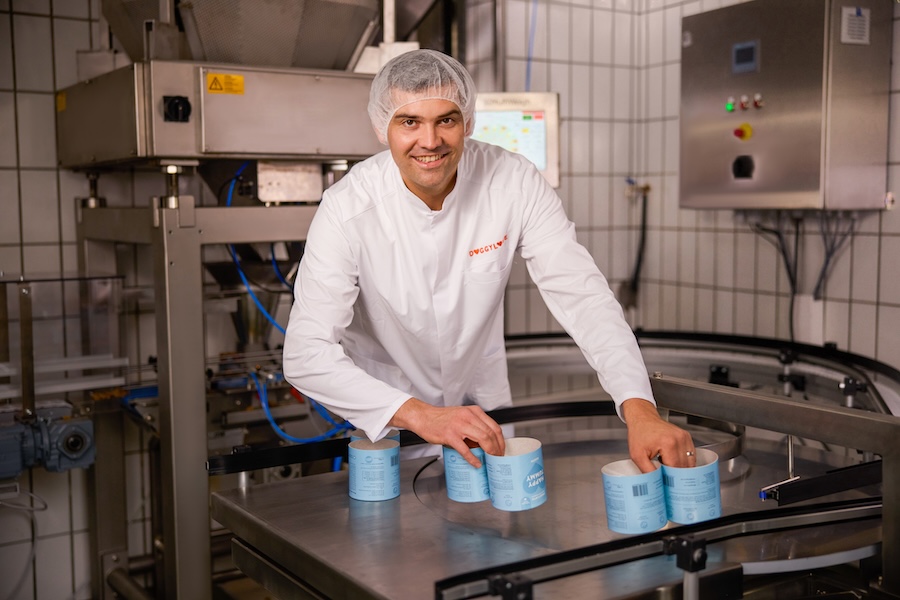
column 615, row 64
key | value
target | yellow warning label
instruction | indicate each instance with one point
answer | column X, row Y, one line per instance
column 224, row 83
column 60, row 101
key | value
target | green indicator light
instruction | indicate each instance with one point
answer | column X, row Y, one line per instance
column 729, row 106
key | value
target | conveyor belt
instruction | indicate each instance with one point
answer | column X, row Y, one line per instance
column 306, row 538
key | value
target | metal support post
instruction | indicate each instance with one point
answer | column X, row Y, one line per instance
column 26, row 340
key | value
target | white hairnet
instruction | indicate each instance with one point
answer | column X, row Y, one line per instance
column 428, row 75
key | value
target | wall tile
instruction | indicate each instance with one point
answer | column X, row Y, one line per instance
column 41, row 259
column 602, row 38
column 601, row 148
column 31, row 6
column 744, row 313
column 54, row 489
column 766, row 316
column 621, row 147
column 517, row 15
column 33, row 53
column 746, row 266
column 602, row 92
column 889, row 283
column 81, row 556
column 655, row 42
column 71, row 8
column 705, row 318
column 560, row 32
column 724, row 259
column 6, row 62
column 622, row 98
column 10, row 263
column 15, row 560
column 672, row 34
column 9, row 207
column 40, row 206
column 37, row 130
column 68, row 38
column 537, row 315
column 862, row 253
column 863, row 333
column 580, row 97
column 622, row 40
column 581, row 35
column 601, row 200
column 560, row 82
column 887, row 346
column 687, row 308
column 836, row 323
column 668, row 316
column 7, row 124
column 53, row 555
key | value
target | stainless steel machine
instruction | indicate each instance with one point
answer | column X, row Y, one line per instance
column 219, row 89
column 784, row 105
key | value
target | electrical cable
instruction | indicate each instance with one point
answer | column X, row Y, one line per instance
column 277, row 270
column 264, row 400
column 530, row 60
column 833, row 239
column 237, row 262
column 30, row 510
column 790, row 264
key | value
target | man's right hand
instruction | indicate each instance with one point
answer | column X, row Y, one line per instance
column 451, row 426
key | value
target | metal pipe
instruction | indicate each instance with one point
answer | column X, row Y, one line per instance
column 691, row 586
column 122, row 583
column 388, row 24
column 26, row 340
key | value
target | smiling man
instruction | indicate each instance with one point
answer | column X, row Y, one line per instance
column 398, row 312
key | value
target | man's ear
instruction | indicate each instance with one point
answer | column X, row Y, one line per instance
column 380, row 136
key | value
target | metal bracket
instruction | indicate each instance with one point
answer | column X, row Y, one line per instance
column 511, row 587
column 690, row 552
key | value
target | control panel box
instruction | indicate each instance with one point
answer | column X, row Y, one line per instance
column 784, row 105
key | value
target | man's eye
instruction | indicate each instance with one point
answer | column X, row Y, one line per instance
column 408, row 122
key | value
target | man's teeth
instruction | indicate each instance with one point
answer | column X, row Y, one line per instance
column 428, row 159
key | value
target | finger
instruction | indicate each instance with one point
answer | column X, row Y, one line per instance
column 643, row 463
column 466, row 453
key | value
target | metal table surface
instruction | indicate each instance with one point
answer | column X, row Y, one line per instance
column 308, row 536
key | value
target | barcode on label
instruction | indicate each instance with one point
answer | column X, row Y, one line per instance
column 395, row 460
column 639, row 490
column 668, row 481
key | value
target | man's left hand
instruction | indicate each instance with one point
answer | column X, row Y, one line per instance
column 650, row 436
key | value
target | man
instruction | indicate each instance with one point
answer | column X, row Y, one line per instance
column 398, row 312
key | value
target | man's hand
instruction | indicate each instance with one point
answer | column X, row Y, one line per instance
column 451, row 426
column 649, row 436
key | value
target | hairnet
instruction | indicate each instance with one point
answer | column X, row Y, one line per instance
column 427, row 74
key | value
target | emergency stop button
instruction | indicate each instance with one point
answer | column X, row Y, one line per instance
column 744, row 132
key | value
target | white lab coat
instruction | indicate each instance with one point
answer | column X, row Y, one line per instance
column 394, row 300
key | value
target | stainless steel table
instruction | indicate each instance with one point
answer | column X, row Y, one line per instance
column 306, row 538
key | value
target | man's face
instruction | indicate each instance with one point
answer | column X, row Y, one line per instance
column 426, row 141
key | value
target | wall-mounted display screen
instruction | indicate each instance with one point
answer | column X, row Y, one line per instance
column 523, row 122
column 745, row 57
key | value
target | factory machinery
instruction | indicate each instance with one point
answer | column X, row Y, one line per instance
column 805, row 436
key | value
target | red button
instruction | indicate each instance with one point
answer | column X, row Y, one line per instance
column 740, row 133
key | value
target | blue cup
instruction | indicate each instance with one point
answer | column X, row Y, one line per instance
column 465, row 483
column 374, row 469
column 635, row 501
column 516, row 479
column 693, row 494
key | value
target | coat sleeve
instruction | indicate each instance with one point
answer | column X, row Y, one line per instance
column 315, row 363
column 578, row 295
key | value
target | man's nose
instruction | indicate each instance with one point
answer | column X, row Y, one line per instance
column 430, row 137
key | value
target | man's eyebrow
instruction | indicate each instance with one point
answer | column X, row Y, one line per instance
column 402, row 116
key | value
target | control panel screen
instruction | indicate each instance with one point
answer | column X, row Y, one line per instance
column 745, row 57
column 523, row 122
